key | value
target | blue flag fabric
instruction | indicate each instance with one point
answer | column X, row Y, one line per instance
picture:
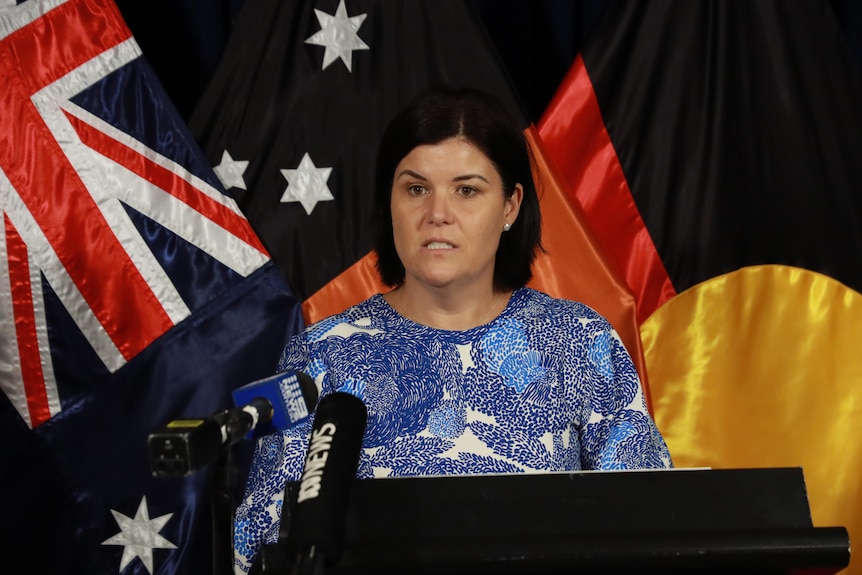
column 134, row 293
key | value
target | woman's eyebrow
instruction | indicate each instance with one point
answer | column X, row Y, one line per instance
column 470, row 177
column 412, row 174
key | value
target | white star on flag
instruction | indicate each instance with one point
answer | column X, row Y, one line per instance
column 307, row 184
column 230, row 172
column 338, row 34
column 139, row 536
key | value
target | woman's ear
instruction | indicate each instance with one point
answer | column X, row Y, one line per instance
column 513, row 204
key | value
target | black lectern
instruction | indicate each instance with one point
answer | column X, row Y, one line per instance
column 680, row 521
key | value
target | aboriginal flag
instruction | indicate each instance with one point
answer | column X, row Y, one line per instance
column 292, row 118
column 716, row 148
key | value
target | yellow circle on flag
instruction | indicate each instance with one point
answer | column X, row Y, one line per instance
column 762, row 367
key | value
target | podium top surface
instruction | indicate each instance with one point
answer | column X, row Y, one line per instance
column 680, row 499
column 683, row 520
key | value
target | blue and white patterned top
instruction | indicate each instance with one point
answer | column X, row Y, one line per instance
column 546, row 386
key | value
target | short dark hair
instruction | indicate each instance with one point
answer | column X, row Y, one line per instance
column 446, row 112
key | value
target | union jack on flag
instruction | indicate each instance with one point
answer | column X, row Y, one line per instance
column 132, row 289
column 78, row 176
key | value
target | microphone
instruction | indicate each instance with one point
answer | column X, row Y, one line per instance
column 292, row 395
column 316, row 532
column 273, row 403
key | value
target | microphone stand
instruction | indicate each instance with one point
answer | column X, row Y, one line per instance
column 223, row 505
column 310, row 563
column 223, row 490
column 183, row 449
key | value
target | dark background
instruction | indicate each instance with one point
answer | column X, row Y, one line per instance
column 537, row 40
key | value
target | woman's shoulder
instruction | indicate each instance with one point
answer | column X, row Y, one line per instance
column 365, row 315
column 535, row 302
column 334, row 331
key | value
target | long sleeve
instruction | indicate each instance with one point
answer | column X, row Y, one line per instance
column 618, row 431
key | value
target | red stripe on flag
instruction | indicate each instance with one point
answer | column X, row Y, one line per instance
column 63, row 39
column 51, row 189
column 575, row 138
column 166, row 180
column 25, row 327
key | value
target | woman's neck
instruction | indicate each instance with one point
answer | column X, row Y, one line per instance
column 441, row 309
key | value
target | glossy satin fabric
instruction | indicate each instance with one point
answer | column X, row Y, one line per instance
column 355, row 284
column 762, row 368
column 710, row 144
column 135, row 292
column 573, row 133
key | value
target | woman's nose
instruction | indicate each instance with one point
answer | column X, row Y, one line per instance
column 440, row 209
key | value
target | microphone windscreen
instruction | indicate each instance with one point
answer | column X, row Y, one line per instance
column 334, row 446
column 292, row 394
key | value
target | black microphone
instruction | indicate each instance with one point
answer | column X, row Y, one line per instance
column 316, row 530
column 277, row 402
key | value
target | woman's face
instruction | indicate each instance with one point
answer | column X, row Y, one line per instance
column 448, row 211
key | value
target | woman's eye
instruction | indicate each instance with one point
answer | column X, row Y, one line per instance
column 467, row 191
column 416, row 189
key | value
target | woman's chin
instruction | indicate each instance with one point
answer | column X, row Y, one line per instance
column 442, row 276
column 437, row 279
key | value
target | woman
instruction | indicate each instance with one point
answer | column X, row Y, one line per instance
column 462, row 368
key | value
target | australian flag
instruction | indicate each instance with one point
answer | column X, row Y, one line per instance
column 132, row 292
